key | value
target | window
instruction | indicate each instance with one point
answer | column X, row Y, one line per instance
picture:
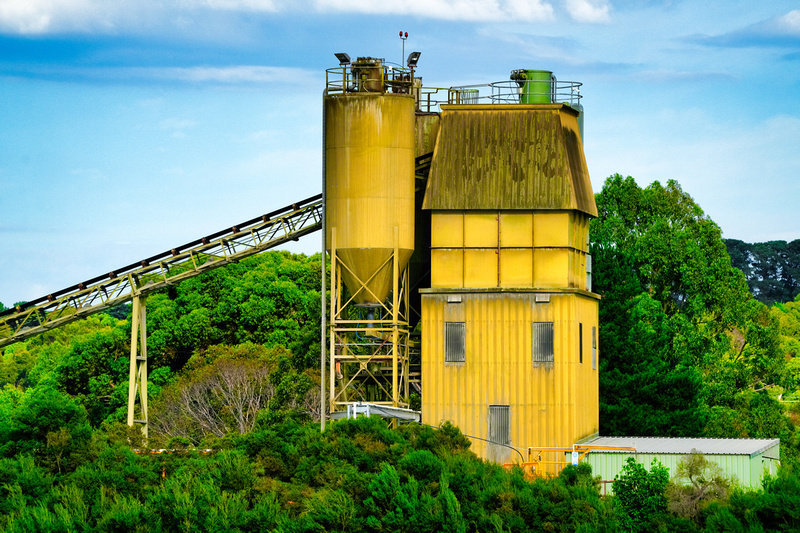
column 589, row 273
column 542, row 342
column 500, row 424
column 594, row 347
column 580, row 343
column 455, row 342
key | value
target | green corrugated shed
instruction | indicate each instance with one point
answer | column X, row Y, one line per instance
column 509, row 157
column 744, row 459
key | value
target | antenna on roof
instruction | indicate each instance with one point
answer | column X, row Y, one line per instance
column 403, row 37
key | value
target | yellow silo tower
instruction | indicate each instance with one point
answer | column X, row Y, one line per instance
column 509, row 345
column 369, row 201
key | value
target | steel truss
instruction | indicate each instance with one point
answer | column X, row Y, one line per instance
column 368, row 356
column 136, row 281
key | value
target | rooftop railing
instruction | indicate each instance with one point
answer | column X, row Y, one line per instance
column 370, row 75
column 500, row 92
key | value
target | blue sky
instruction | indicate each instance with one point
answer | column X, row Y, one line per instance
column 130, row 127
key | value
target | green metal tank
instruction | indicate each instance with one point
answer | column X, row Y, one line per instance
column 536, row 86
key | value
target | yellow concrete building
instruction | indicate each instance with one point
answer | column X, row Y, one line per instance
column 509, row 344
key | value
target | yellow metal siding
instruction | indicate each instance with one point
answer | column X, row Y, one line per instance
column 550, row 268
column 369, row 151
column 508, row 249
column 447, row 230
column 549, row 406
column 516, row 230
column 447, row 268
column 509, row 157
column 516, row 267
column 480, row 267
column 579, row 231
column 480, row 230
column 551, row 229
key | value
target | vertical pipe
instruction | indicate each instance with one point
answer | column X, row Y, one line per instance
column 406, row 355
column 323, row 275
column 395, row 318
column 334, row 301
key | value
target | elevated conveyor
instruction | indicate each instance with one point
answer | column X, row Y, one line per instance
column 135, row 281
column 168, row 268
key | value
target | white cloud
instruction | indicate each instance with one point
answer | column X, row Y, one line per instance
column 53, row 16
column 592, row 11
column 790, row 22
column 32, row 17
column 236, row 5
column 473, row 10
column 782, row 31
column 38, row 16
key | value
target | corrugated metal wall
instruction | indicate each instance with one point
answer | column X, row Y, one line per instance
column 510, row 202
column 746, row 469
column 550, row 405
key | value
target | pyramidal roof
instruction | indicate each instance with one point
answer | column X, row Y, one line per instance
column 514, row 157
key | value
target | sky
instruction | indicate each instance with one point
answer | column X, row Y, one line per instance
column 129, row 127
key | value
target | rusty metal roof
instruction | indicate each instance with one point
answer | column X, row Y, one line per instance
column 509, row 157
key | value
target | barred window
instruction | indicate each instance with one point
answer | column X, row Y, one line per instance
column 500, row 424
column 580, row 343
column 543, row 340
column 455, row 342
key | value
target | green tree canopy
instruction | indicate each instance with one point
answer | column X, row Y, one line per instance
column 680, row 332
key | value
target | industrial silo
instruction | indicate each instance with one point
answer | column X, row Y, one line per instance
column 369, row 197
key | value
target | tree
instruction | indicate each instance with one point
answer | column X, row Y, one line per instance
column 51, row 426
column 772, row 268
column 679, row 331
column 698, row 482
column 639, row 494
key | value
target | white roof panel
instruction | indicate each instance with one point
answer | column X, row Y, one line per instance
column 666, row 445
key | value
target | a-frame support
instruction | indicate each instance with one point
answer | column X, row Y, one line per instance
column 368, row 356
column 137, row 381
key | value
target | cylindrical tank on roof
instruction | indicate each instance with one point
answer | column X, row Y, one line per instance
column 369, row 151
column 536, row 86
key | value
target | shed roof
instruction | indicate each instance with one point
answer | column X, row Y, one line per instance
column 515, row 157
column 666, row 445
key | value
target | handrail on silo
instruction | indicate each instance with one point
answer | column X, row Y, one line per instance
column 371, row 78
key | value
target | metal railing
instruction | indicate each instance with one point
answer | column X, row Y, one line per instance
column 500, row 92
column 512, row 92
column 369, row 77
column 168, row 268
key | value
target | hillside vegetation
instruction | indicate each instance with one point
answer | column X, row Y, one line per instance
column 772, row 269
column 685, row 350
